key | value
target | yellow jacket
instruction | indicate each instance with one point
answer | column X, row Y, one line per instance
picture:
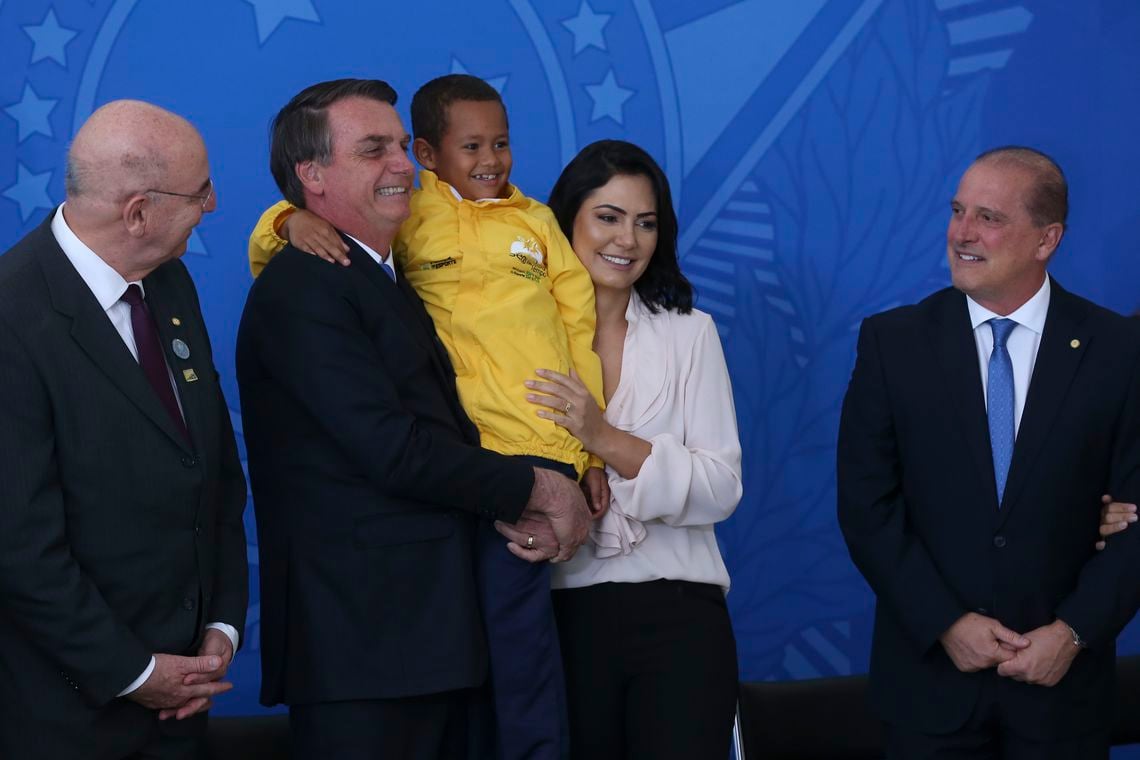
column 507, row 295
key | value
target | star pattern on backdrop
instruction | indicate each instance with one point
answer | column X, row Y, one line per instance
column 31, row 114
column 609, row 97
column 587, row 28
column 498, row 83
column 270, row 14
column 49, row 39
column 30, row 191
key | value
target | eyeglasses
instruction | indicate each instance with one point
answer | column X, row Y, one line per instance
column 204, row 198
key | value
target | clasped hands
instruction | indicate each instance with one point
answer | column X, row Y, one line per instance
column 180, row 687
column 1041, row 657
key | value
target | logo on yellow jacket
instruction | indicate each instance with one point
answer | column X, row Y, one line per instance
column 529, row 252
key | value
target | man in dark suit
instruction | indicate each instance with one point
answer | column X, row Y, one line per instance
column 123, row 578
column 980, row 428
column 367, row 476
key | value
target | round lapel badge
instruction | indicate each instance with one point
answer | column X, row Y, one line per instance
column 181, row 350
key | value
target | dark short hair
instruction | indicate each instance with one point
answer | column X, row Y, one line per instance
column 1048, row 201
column 430, row 103
column 301, row 129
column 662, row 285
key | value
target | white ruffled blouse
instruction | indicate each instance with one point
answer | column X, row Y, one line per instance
column 675, row 393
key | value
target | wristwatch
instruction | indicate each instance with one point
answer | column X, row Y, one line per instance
column 1077, row 640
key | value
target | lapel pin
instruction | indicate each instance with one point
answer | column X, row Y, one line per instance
column 1074, row 343
column 190, row 375
column 175, row 321
column 181, row 350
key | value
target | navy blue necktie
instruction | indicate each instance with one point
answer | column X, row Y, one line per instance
column 388, row 269
column 999, row 403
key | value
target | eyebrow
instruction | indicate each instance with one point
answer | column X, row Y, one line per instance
column 381, row 141
column 621, row 210
column 205, row 184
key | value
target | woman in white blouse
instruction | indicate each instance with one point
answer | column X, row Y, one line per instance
column 647, row 644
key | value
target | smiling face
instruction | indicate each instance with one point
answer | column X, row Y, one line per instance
column 997, row 254
column 474, row 153
column 364, row 188
column 615, row 231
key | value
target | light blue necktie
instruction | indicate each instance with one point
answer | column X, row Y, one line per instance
column 999, row 402
column 388, row 269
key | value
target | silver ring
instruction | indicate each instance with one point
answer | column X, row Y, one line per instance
column 530, row 542
column 569, row 406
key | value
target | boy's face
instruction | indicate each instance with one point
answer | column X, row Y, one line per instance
column 474, row 154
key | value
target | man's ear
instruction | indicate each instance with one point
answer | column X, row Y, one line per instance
column 1051, row 235
column 424, row 153
column 136, row 212
column 309, row 172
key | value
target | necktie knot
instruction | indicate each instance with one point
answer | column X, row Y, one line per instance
column 1001, row 329
column 133, row 295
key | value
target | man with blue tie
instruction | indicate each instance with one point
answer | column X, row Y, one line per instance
column 979, row 431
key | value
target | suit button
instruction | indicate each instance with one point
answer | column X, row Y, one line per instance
column 187, row 604
column 189, row 461
column 197, row 530
column 999, row 542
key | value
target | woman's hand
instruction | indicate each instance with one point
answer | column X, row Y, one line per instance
column 568, row 403
column 1114, row 517
column 312, row 234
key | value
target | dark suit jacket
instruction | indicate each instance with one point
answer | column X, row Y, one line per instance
column 367, row 481
column 117, row 538
column 918, row 506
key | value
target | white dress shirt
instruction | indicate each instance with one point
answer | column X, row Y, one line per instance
column 675, row 393
column 108, row 287
column 1022, row 344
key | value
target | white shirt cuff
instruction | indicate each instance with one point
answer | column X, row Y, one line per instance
column 229, row 630
column 140, row 680
column 226, row 628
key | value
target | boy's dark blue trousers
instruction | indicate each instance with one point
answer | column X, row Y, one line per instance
column 527, row 685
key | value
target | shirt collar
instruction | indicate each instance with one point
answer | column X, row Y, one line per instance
column 375, row 256
column 100, row 277
column 1031, row 314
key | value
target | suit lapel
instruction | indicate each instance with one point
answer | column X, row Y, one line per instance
column 1056, row 364
column 93, row 331
column 407, row 305
column 958, row 359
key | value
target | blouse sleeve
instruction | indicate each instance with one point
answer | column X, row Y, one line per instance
column 264, row 242
column 692, row 478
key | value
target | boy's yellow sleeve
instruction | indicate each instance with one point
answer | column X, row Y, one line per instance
column 264, row 242
column 573, row 291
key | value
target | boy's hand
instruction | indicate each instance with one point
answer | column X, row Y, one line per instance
column 1114, row 517
column 596, row 487
column 312, row 234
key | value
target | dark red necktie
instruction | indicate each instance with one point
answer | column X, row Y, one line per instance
column 150, row 355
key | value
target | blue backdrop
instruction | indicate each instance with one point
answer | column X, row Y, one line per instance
column 812, row 147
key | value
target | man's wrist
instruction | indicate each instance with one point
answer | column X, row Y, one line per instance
column 1078, row 642
column 229, row 630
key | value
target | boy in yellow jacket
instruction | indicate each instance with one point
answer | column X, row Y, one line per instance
column 507, row 294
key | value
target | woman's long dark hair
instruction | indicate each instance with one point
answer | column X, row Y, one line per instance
column 661, row 285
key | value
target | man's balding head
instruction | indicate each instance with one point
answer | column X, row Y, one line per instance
column 125, row 147
column 138, row 182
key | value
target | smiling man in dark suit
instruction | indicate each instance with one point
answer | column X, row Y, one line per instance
column 367, row 475
column 980, row 428
column 123, row 579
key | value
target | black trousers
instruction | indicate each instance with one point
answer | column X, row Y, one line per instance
column 986, row 737
column 431, row 727
column 650, row 670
